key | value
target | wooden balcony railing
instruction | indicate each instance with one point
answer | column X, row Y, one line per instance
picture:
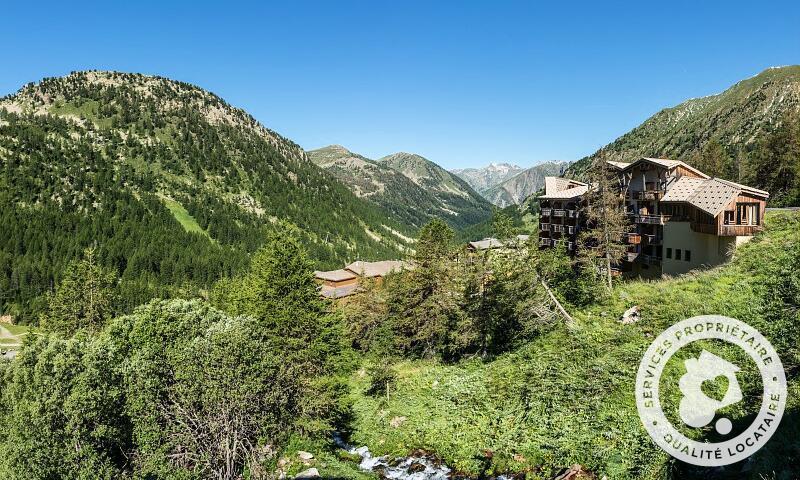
column 557, row 228
column 544, row 242
column 546, row 212
column 557, row 212
column 652, row 219
column 648, row 195
column 634, row 238
column 545, row 227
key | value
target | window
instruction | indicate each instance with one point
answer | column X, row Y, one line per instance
column 687, row 255
column 729, row 217
column 677, row 254
column 747, row 214
column 669, row 252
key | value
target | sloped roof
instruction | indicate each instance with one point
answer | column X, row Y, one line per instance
column 486, row 244
column 567, row 194
column 710, row 195
column 338, row 292
column 375, row 269
column 668, row 164
column 335, row 275
column 745, row 188
column 683, row 189
column 619, row 165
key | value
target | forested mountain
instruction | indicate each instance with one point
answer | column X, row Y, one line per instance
column 484, row 178
column 519, row 187
column 747, row 133
column 462, row 205
column 378, row 182
column 173, row 185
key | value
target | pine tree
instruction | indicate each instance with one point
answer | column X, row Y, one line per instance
column 602, row 242
column 83, row 299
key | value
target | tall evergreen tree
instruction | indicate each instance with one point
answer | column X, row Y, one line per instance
column 83, row 299
column 602, row 243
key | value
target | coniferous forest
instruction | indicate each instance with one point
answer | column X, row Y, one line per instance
column 158, row 250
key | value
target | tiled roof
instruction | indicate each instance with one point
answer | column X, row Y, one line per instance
column 683, row 189
column 486, row 244
column 335, row 275
column 745, row 188
column 668, row 164
column 619, row 165
column 558, row 184
column 710, row 195
column 713, row 195
column 567, row 194
column 375, row 269
column 338, row 292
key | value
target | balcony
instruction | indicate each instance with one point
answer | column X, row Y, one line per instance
column 631, row 256
column 557, row 228
column 557, row 212
column 545, row 227
column 570, row 229
column 648, row 195
column 546, row 212
column 731, row 230
column 652, row 219
column 634, row 238
column 544, row 242
column 572, row 213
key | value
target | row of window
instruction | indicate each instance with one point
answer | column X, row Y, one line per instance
column 686, row 254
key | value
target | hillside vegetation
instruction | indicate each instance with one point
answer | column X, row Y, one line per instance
column 172, row 184
column 462, row 206
column 411, row 200
column 566, row 396
column 747, row 133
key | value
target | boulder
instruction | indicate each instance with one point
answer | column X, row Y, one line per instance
column 310, row 473
column 305, row 455
column 630, row 316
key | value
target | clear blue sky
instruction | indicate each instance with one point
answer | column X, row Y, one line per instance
column 462, row 83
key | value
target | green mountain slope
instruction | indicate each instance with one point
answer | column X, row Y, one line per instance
column 379, row 183
column 172, row 184
column 737, row 118
column 462, row 206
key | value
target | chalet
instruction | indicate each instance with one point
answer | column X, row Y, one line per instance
column 681, row 218
column 344, row 282
column 490, row 243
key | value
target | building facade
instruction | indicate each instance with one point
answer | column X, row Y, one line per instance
column 681, row 219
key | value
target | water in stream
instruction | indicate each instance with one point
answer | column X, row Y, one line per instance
column 413, row 467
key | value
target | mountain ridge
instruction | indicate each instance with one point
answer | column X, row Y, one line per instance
column 736, row 118
column 164, row 177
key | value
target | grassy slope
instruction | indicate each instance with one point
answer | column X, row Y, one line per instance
column 567, row 397
column 183, row 217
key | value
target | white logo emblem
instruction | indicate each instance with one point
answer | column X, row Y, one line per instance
column 698, row 409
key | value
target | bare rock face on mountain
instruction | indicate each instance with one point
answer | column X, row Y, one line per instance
column 482, row 179
column 411, row 188
column 519, row 187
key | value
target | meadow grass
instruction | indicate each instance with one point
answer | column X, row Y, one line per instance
column 568, row 396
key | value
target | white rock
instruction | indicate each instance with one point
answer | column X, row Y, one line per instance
column 310, row 473
column 305, row 455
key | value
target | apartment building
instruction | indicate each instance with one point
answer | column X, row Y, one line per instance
column 681, row 218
